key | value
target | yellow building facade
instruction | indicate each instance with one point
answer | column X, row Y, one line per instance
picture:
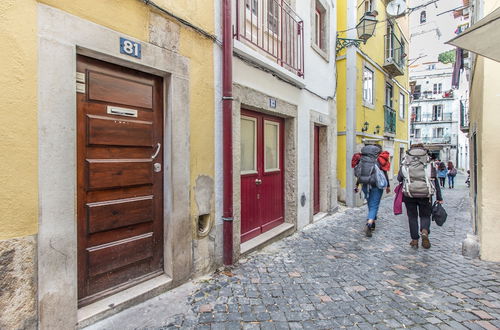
column 176, row 42
column 373, row 90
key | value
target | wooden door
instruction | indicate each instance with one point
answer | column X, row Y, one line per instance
column 120, row 178
column 316, row 175
column 262, row 174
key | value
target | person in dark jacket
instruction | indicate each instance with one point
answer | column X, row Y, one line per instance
column 420, row 207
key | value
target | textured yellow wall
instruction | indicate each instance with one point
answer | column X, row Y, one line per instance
column 18, row 91
column 18, row 122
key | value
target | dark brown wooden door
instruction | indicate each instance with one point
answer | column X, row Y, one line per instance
column 262, row 185
column 120, row 178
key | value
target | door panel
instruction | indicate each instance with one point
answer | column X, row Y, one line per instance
column 316, row 175
column 120, row 195
column 262, row 201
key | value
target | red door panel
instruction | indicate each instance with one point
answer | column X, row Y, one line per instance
column 262, row 186
column 316, row 205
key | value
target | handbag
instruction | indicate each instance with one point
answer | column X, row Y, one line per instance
column 439, row 214
column 398, row 199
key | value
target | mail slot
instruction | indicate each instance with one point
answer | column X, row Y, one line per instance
column 117, row 111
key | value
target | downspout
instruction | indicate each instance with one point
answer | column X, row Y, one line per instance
column 227, row 134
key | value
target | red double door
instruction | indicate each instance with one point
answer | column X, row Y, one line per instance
column 262, row 173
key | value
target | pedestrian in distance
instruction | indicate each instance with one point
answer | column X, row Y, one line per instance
column 370, row 168
column 442, row 173
column 418, row 177
column 452, row 173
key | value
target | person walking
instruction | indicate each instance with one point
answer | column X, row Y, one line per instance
column 452, row 173
column 442, row 173
column 418, row 176
column 366, row 165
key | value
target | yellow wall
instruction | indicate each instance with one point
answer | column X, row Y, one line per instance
column 18, row 122
column 18, row 91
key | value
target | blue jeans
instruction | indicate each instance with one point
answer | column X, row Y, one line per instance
column 451, row 181
column 373, row 196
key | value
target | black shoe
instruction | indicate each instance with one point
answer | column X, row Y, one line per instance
column 368, row 230
column 372, row 227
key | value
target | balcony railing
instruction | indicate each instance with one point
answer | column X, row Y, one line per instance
column 436, row 140
column 431, row 118
column 394, row 61
column 389, row 120
column 274, row 29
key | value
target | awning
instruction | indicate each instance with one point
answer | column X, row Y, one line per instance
column 482, row 38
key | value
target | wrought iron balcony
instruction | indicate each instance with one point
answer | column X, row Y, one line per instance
column 431, row 118
column 274, row 29
column 389, row 120
column 394, row 60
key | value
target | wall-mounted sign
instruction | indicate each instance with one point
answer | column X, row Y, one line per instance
column 272, row 103
column 130, row 48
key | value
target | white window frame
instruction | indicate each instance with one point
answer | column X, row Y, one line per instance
column 419, row 135
column 273, row 123
column 254, row 171
column 369, row 102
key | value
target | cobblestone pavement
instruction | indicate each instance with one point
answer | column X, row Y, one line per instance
column 330, row 276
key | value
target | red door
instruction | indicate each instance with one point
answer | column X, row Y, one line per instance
column 316, row 202
column 262, row 198
column 120, row 178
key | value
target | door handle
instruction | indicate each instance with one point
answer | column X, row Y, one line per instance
column 258, row 181
column 157, row 151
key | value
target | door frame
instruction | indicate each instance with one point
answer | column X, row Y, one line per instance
column 61, row 36
column 250, row 99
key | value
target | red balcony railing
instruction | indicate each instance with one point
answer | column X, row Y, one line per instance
column 275, row 29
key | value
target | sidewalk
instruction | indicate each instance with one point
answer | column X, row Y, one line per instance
column 330, row 276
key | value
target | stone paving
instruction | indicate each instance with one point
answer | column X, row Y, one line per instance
column 330, row 276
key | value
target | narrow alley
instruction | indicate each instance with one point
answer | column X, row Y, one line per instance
column 330, row 276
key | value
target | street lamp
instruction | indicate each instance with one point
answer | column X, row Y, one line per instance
column 365, row 29
column 365, row 127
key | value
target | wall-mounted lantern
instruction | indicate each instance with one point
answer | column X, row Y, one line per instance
column 365, row 29
column 377, row 129
column 365, row 127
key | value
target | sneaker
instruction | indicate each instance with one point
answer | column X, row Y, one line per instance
column 414, row 243
column 426, row 244
column 368, row 230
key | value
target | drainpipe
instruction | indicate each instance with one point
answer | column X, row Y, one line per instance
column 227, row 133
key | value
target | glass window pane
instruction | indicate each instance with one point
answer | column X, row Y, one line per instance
column 247, row 144
column 271, row 141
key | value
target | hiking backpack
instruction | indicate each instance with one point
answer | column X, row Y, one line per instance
column 365, row 170
column 416, row 169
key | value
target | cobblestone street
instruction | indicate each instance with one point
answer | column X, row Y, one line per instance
column 330, row 276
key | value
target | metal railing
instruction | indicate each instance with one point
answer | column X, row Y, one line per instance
column 275, row 29
column 389, row 120
column 429, row 118
column 439, row 140
column 394, row 51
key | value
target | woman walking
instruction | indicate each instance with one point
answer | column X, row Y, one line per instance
column 452, row 173
column 364, row 167
column 418, row 190
column 442, row 173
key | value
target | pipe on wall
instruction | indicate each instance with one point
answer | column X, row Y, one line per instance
column 227, row 134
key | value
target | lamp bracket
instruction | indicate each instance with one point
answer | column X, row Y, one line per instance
column 346, row 42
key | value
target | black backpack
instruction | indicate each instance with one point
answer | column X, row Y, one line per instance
column 365, row 170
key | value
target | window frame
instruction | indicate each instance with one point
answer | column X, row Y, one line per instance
column 423, row 17
column 434, row 112
column 255, row 169
column 419, row 135
column 278, row 143
column 369, row 103
column 390, row 87
column 402, row 105
column 320, row 35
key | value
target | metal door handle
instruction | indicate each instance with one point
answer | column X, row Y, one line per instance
column 158, row 147
column 258, row 181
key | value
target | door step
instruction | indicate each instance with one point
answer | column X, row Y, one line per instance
column 267, row 238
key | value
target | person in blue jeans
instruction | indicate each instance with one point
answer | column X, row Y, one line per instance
column 442, row 173
column 373, row 195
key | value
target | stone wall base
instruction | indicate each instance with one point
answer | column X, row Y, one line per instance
column 18, row 283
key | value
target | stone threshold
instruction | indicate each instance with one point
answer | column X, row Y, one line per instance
column 266, row 238
column 318, row 216
column 122, row 300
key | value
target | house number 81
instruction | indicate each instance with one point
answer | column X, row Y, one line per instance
column 130, row 48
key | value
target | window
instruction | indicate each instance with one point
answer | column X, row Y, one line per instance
column 431, row 67
column 271, row 144
column 368, row 86
column 320, row 26
column 418, row 133
column 402, row 106
column 253, row 5
column 388, row 95
column 273, row 16
column 423, row 17
column 417, row 113
column 438, row 132
column 248, row 145
column 369, row 6
column 417, row 91
column 437, row 112
column 437, row 89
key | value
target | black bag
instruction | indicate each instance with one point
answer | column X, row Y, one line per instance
column 439, row 214
column 365, row 170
